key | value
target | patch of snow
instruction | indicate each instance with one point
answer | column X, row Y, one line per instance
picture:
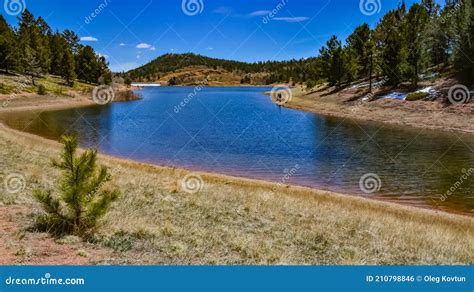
column 396, row 95
column 429, row 76
column 403, row 95
column 426, row 90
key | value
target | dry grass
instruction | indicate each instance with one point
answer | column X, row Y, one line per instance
column 237, row 221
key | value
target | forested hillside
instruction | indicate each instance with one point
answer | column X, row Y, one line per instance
column 163, row 65
column 33, row 49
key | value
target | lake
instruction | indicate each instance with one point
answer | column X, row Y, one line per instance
column 239, row 131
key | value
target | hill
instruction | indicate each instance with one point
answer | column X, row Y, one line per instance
column 190, row 69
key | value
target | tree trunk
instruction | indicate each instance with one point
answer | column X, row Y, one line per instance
column 370, row 71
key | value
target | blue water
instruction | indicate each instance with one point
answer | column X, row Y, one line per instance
column 239, row 131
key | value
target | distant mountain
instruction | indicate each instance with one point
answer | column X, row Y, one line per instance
column 190, row 69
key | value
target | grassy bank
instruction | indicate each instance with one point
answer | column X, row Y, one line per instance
column 230, row 221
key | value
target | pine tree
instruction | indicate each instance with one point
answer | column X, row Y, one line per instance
column 30, row 36
column 26, row 24
column 415, row 23
column 41, row 43
column 81, row 201
column 8, row 50
column 392, row 46
column 350, row 65
column 58, row 48
column 92, row 68
column 73, row 40
column 30, row 65
column 105, row 76
column 333, row 58
column 128, row 81
column 359, row 43
column 67, row 67
column 464, row 56
column 438, row 37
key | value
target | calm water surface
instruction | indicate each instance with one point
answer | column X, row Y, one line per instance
column 239, row 131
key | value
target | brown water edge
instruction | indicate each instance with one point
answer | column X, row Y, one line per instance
column 236, row 175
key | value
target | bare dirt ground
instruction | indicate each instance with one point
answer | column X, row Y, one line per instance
column 436, row 114
column 32, row 102
column 23, row 247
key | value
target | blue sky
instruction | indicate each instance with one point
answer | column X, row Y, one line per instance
column 131, row 33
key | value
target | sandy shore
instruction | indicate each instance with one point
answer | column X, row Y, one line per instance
column 35, row 102
column 229, row 221
column 416, row 114
column 74, row 99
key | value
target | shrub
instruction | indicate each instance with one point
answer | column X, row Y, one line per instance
column 126, row 95
column 41, row 90
column 417, row 96
column 128, row 81
column 81, row 202
column 310, row 84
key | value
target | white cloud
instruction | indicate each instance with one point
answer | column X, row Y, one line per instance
column 144, row 46
column 89, row 39
column 122, row 44
column 259, row 13
column 291, row 19
column 210, row 48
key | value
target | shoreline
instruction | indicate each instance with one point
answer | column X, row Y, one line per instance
column 415, row 114
column 83, row 101
column 242, row 181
